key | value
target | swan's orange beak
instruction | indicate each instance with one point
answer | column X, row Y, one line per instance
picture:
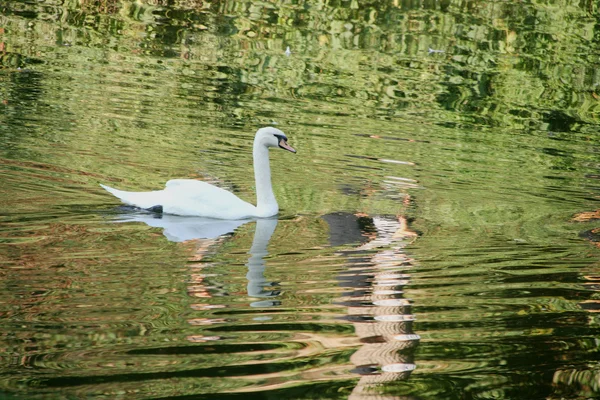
column 283, row 144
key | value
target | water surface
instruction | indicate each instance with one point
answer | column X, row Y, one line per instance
column 438, row 229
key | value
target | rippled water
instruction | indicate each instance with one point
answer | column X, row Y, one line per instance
column 438, row 229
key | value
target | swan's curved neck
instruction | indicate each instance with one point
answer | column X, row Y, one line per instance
column 265, row 199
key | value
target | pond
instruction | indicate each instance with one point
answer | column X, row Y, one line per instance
column 438, row 227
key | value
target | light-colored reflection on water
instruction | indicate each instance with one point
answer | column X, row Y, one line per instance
column 380, row 316
column 181, row 229
column 257, row 284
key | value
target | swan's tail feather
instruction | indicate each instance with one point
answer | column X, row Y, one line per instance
column 138, row 199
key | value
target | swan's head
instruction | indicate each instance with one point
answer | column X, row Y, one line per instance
column 272, row 137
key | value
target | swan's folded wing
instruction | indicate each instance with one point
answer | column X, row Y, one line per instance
column 183, row 183
column 197, row 189
column 192, row 197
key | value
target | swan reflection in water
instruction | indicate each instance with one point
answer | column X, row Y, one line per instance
column 375, row 276
column 207, row 232
column 181, row 229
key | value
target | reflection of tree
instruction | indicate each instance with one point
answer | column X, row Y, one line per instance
column 20, row 96
column 498, row 67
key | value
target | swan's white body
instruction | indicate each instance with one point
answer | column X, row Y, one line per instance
column 196, row 198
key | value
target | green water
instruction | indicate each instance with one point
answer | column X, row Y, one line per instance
column 426, row 246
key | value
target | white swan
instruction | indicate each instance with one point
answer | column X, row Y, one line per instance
column 196, row 198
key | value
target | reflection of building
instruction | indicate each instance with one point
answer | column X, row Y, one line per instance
column 381, row 316
column 375, row 272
